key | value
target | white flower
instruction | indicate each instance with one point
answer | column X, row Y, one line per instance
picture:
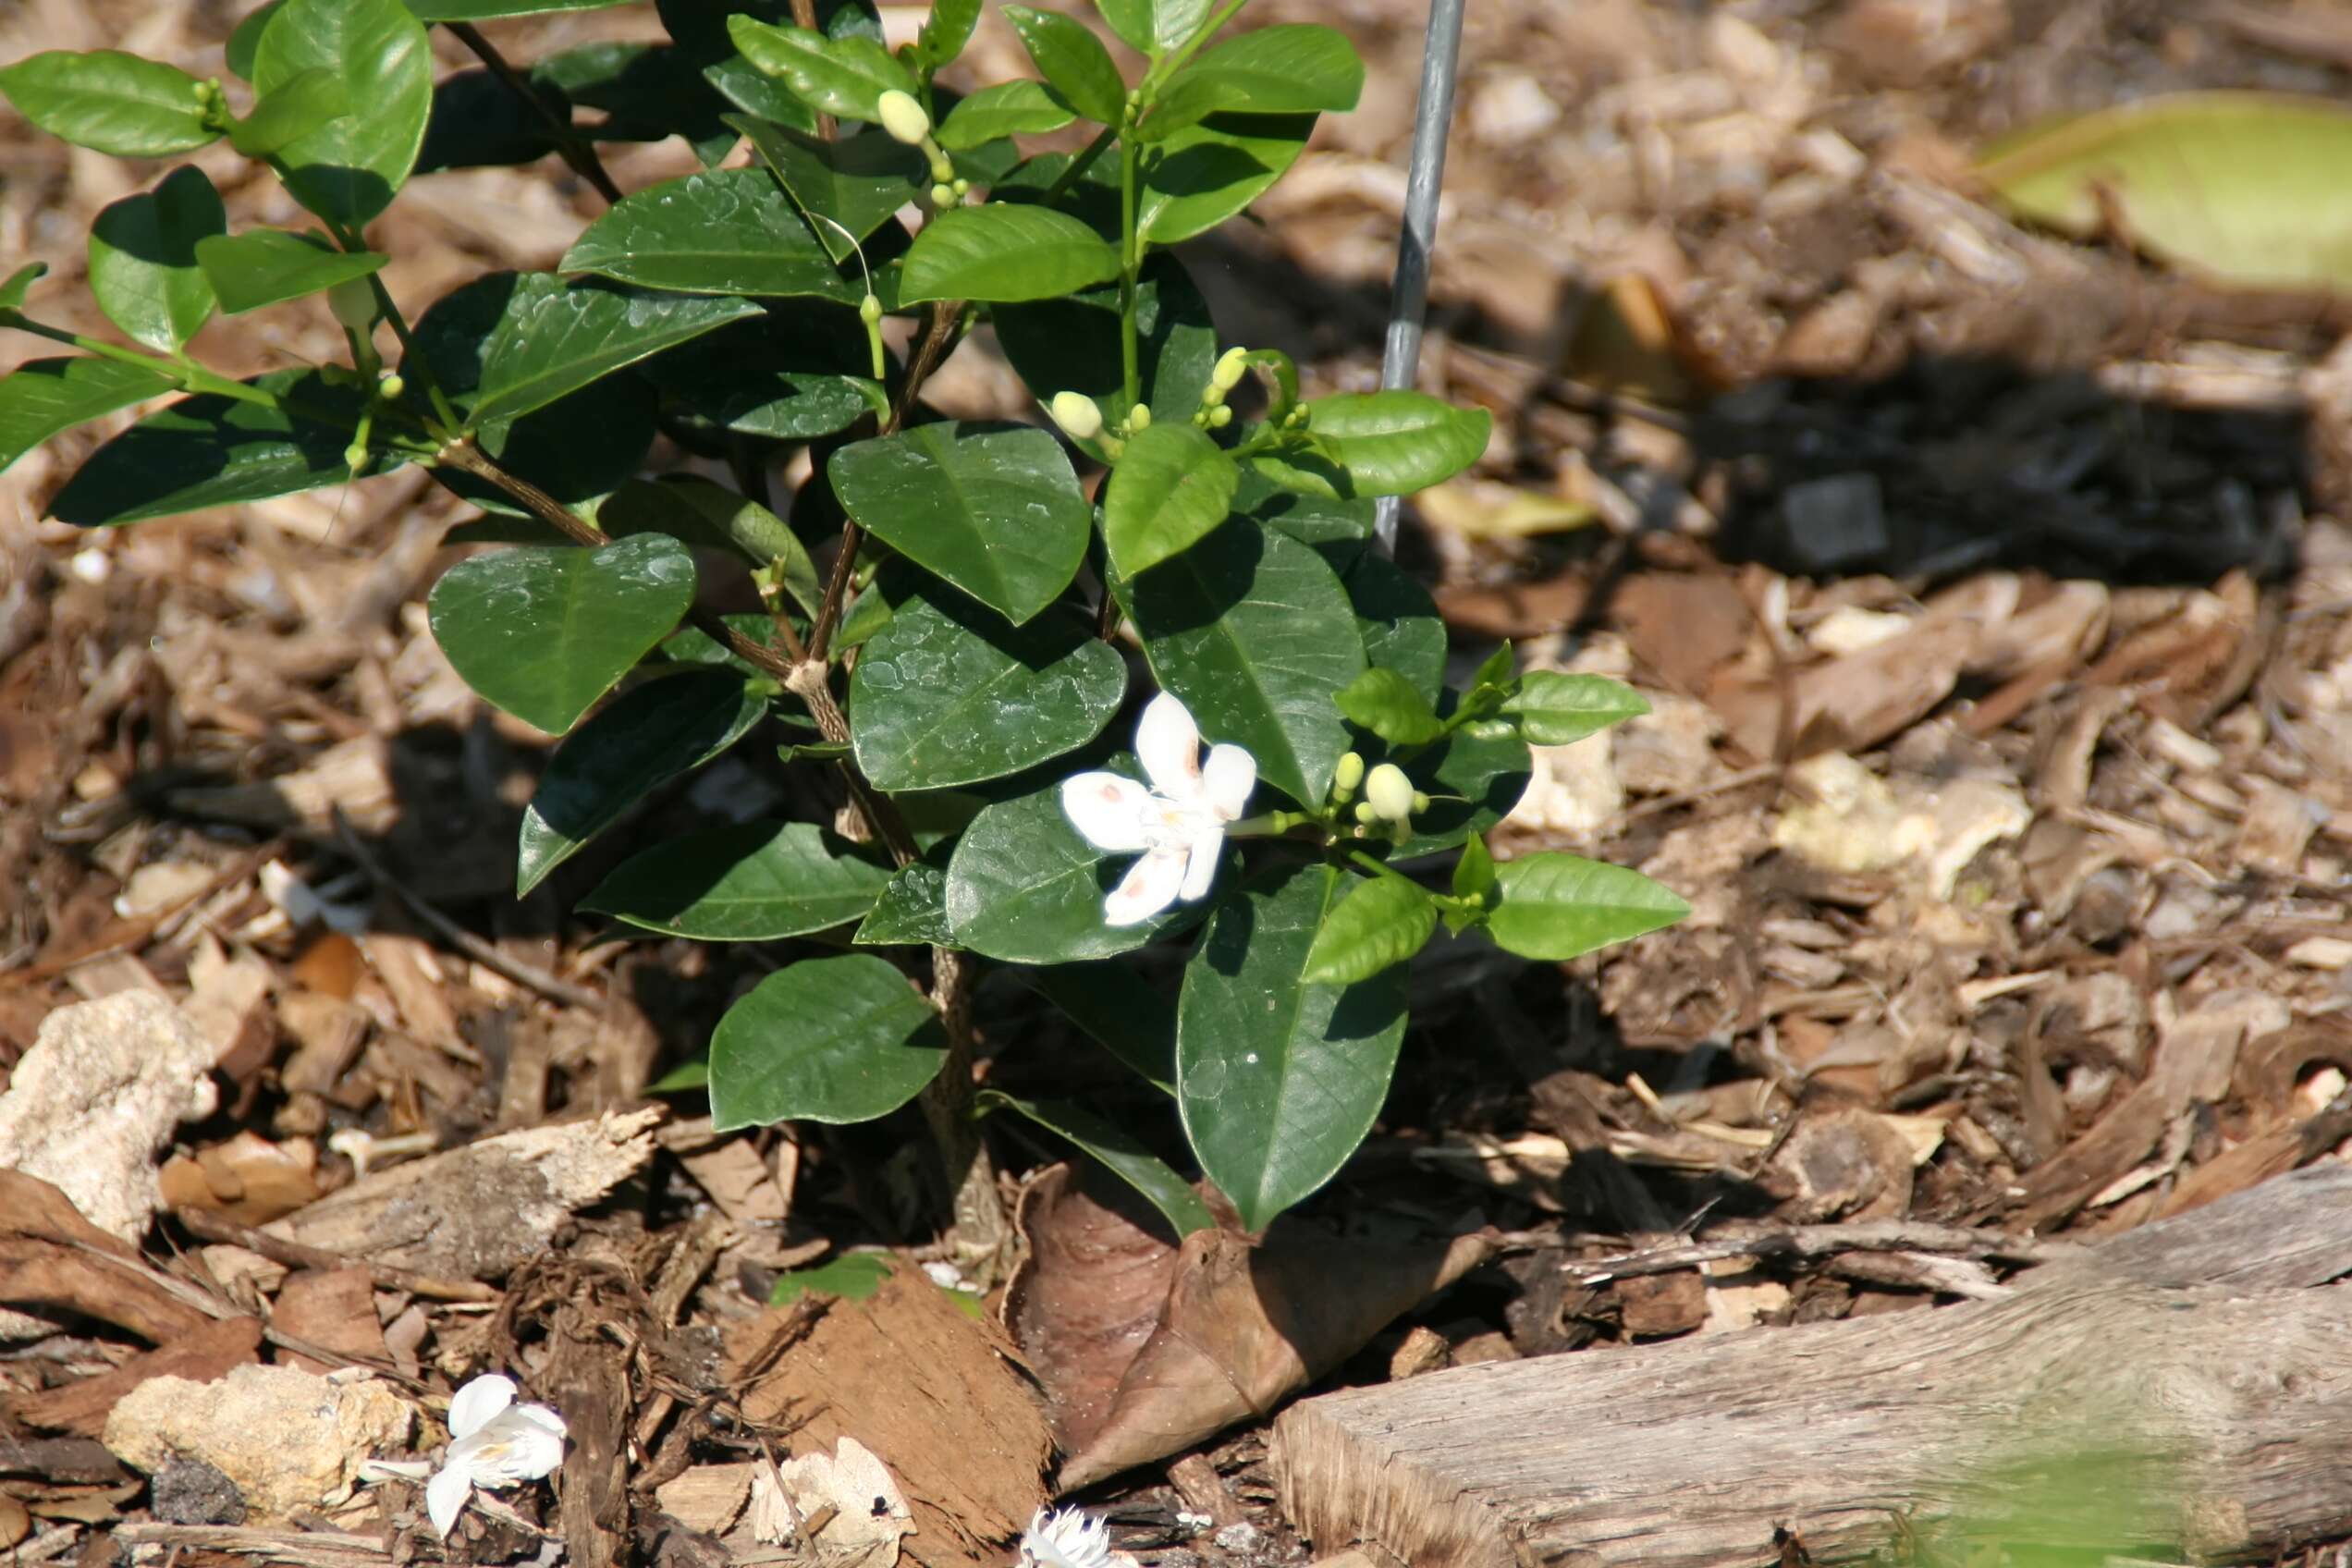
column 1065, row 1538
column 493, row 1443
column 1389, row 793
column 1177, row 825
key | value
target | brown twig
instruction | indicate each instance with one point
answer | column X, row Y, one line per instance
column 984, row 1230
column 1825, row 1241
column 577, row 155
column 216, row 1226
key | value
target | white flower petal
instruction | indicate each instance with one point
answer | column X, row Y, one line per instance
column 1149, row 887
column 1066, row 1538
column 472, row 1406
column 1200, row 865
column 1107, row 810
column 1227, row 779
column 1167, row 745
column 516, row 1447
column 544, row 1417
column 444, row 1498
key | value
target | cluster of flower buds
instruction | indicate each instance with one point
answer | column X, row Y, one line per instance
column 906, row 121
column 1389, row 800
column 1081, row 419
column 1232, row 365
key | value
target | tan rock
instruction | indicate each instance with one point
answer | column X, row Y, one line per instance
column 290, row 1439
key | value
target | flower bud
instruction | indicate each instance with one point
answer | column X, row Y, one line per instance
column 1232, row 366
column 904, row 119
column 1389, row 793
column 1219, row 417
column 1077, row 415
column 1420, row 801
column 1139, row 419
column 1365, row 813
column 869, row 310
column 390, row 388
column 942, row 170
column 943, row 195
column 1347, row 774
column 1212, row 396
column 961, row 186
column 355, row 457
column 353, row 303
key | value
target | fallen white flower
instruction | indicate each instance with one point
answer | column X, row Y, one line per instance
column 1177, row 825
column 495, row 1443
column 1067, row 1538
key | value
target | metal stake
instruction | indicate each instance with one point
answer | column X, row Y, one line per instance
column 1432, row 116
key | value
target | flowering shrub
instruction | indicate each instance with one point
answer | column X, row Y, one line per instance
column 951, row 611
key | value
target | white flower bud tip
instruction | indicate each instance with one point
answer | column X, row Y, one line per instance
column 1232, row 366
column 1077, row 415
column 1389, row 793
column 904, row 119
column 1348, row 773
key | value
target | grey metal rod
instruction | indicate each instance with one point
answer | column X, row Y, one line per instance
column 1432, row 118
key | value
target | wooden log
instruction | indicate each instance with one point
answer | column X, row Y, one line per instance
column 2211, row 1345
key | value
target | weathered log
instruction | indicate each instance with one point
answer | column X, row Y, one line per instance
column 2211, row 1344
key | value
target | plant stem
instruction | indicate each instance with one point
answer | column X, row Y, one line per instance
column 983, row 1234
column 191, row 377
column 1080, row 164
column 1131, row 261
column 578, row 155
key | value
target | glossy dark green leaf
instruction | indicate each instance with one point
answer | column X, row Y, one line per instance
column 19, row 283
column 994, row 510
column 1072, row 344
column 552, row 339
column 542, row 634
column 545, row 448
column 109, row 102
column 757, row 883
column 246, row 37
column 1205, row 173
column 829, row 1039
column 726, row 231
column 791, row 376
column 838, row 76
column 853, row 182
column 347, row 170
column 490, row 10
column 1292, row 69
column 1321, row 520
column 143, row 270
column 267, row 266
column 479, row 122
column 45, row 397
column 1391, row 706
column 1397, row 619
column 701, row 512
column 1024, row 887
column 1279, row 1079
column 945, row 32
column 1009, row 108
column 1252, row 631
column 1558, row 710
column 1379, row 444
column 1154, row 27
column 950, row 693
column 1559, row 906
column 1473, row 777
column 1120, row 1151
column 1382, row 922
column 1004, row 251
column 216, row 451
column 295, row 107
column 1120, row 1011
column 1173, row 486
column 912, row 911
column 1072, row 61
column 646, row 92
column 631, row 746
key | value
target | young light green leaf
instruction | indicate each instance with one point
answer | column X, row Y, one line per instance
column 1252, row 631
column 347, row 169
column 1070, row 344
column 1382, row 922
column 1279, row 1078
column 853, row 183
column 45, row 397
column 945, row 32
column 1072, row 61
column 18, row 286
column 1009, row 108
column 758, row 883
column 1171, row 487
column 1122, row 1154
column 110, row 102
column 1205, row 173
column 1385, row 704
column 836, row 75
column 552, row 338
column 1024, row 887
column 1154, row 27
column 697, row 510
column 1558, row 906
column 217, row 451
column 1495, row 669
column 144, row 269
column 1292, row 69
column 1474, row 873
column 301, row 103
column 1382, row 444
column 267, row 266
column 1004, row 252
column 631, row 746
column 827, row 1039
column 1558, row 710
column 948, row 693
column 724, row 231
column 996, row 510
column 542, row 634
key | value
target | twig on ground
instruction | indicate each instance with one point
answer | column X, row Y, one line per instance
column 215, row 1227
column 1824, row 1241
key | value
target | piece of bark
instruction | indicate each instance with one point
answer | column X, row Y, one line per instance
column 335, row 1309
column 53, row 1261
column 2212, row 1341
column 81, row 1407
column 587, row 1378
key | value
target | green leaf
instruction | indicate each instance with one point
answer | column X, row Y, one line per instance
column 1122, row 1154
column 346, row 170
column 1004, row 252
column 1024, row 887
column 542, row 634
column 912, row 911
column 1378, row 443
column 838, row 76
column 2244, row 188
column 1073, row 61
column 1205, row 173
column 690, row 1076
column 45, row 397
column 1120, row 1011
column 1154, row 27
column 301, row 103
column 479, row 122
column 994, row 510
column 1473, row 873
column 758, row 883
column 790, row 376
column 945, row 32
column 1289, row 69
column 1072, row 344
column 1278, row 1078
column 1557, row 710
column 1384, row 922
column 142, row 260
column 18, row 286
column 829, row 1039
column 698, row 510
column 632, row 745
column 490, row 10
column 1321, row 520
column 246, row 37
column 217, row 451
column 552, row 339
column 1398, row 620
column 851, row 1277
column 857, row 182
column 726, row 231
column 1252, row 631
column 1009, row 108
column 1173, row 485
column 109, row 102
column 1387, row 705
column 948, row 693
column 1473, row 777
column 267, row 266
column 1558, row 906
